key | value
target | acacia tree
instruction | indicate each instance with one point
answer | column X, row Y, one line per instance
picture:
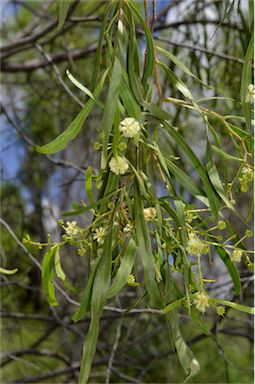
column 158, row 209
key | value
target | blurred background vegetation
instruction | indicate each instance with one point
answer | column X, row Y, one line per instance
column 41, row 344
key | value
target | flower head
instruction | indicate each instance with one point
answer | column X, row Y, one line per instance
column 236, row 255
column 189, row 216
column 221, row 225
column 128, row 228
column 248, row 233
column 129, row 127
column 221, row 311
column 118, row 165
column 149, row 213
column 71, row 228
column 201, row 301
column 247, row 172
column 99, row 235
column 131, row 281
column 250, row 96
column 195, row 246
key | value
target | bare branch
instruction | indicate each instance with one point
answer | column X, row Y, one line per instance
column 58, row 57
column 59, row 77
column 35, row 37
column 180, row 23
column 114, row 348
column 201, row 49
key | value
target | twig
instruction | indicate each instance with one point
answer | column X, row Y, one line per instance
column 58, row 57
column 30, row 39
column 126, row 311
column 33, row 259
column 200, row 49
column 154, row 15
column 58, row 162
column 114, row 348
column 177, row 24
column 59, row 77
column 147, row 19
column 10, row 356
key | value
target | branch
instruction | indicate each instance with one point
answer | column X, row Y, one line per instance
column 12, row 355
column 114, row 349
column 200, row 49
column 58, row 74
column 34, row 38
column 28, row 141
column 201, row 21
column 58, row 57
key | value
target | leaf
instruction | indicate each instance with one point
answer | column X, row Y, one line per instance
column 246, row 80
column 214, row 176
column 184, row 179
column 177, row 82
column 132, row 107
column 124, row 270
column 238, row 307
column 8, row 271
column 100, row 44
column 167, row 207
column 156, row 111
column 86, row 296
column 144, row 246
column 228, row 7
column 243, row 135
column 89, row 349
column 47, row 276
column 225, row 155
column 210, row 192
column 83, row 89
column 61, row 141
column 175, row 304
column 58, row 268
column 63, row 9
column 110, row 107
column 133, row 67
column 186, row 357
column 150, row 46
column 251, row 14
column 180, row 64
column 230, row 267
column 100, row 289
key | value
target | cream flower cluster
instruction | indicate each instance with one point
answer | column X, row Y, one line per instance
column 194, row 245
column 250, row 96
column 131, row 281
column 99, row 235
column 245, row 178
column 237, row 255
column 201, row 301
column 128, row 228
column 71, row 228
column 118, row 165
column 149, row 213
column 222, row 224
column 129, row 127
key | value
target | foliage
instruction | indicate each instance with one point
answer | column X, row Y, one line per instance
column 153, row 231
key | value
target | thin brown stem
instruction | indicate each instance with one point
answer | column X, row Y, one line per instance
column 154, row 15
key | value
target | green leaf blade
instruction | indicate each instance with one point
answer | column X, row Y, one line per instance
column 47, row 276
column 61, row 141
